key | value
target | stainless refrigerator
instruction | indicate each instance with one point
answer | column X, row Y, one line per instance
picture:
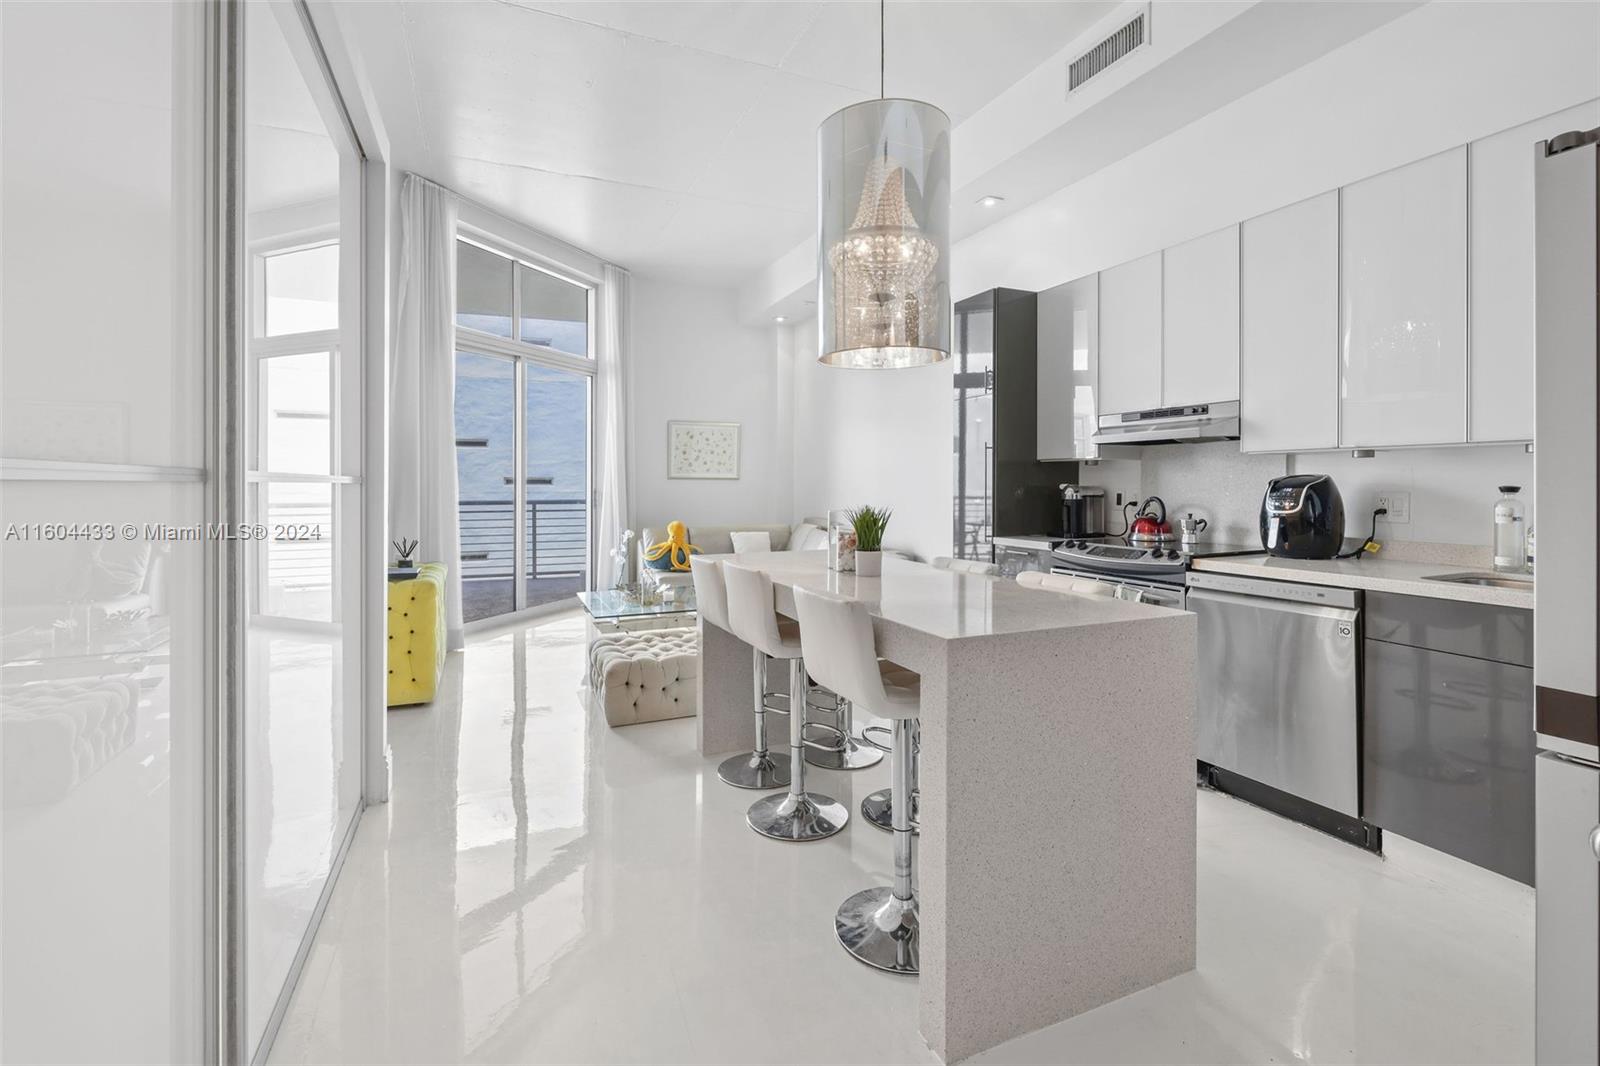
column 1567, row 770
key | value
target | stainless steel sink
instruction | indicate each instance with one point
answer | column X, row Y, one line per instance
column 1494, row 581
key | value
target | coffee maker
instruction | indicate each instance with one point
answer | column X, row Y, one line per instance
column 1083, row 511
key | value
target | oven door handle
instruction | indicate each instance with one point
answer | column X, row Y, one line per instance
column 1149, row 592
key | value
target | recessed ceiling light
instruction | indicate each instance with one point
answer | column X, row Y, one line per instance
column 991, row 201
column 779, row 318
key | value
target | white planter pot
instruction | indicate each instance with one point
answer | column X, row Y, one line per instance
column 869, row 564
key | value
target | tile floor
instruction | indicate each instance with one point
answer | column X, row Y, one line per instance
column 545, row 889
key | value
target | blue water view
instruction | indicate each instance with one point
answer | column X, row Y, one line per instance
column 556, row 422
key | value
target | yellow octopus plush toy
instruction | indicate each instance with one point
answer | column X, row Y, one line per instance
column 672, row 553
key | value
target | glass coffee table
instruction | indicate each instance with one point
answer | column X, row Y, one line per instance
column 614, row 609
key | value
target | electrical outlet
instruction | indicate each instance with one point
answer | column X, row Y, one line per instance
column 1399, row 505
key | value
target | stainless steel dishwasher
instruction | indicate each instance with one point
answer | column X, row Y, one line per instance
column 1279, row 693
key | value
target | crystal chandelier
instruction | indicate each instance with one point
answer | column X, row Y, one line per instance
column 884, row 235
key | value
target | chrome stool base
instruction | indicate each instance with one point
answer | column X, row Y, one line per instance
column 754, row 771
column 804, row 817
column 880, row 930
column 852, row 756
column 877, row 809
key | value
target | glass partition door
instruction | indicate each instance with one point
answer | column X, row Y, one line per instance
column 302, row 691
column 103, row 654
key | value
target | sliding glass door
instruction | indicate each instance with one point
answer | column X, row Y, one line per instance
column 555, row 435
column 486, row 466
column 524, row 376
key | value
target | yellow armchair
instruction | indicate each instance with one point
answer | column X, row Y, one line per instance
column 416, row 635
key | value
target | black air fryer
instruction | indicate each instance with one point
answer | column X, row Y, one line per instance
column 1302, row 517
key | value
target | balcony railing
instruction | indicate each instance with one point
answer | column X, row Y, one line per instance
column 972, row 533
column 557, row 532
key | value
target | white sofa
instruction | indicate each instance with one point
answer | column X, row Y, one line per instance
column 807, row 535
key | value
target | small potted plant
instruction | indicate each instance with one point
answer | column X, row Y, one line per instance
column 404, row 550
column 869, row 523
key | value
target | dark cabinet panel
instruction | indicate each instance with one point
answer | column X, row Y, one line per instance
column 1481, row 630
column 1447, row 752
column 1001, row 488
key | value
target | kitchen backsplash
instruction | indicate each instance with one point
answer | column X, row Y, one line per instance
column 1452, row 490
column 1215, row 482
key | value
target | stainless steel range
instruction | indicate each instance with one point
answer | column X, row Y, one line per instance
column 1159, row 575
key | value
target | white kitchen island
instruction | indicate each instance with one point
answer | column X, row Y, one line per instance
column 1057, row 853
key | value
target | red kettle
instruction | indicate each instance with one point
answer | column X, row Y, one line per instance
column 1149, row 527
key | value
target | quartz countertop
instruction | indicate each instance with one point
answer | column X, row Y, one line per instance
column 1374, row 573
column 942, row 603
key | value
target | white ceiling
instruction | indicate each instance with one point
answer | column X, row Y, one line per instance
column 674, row 138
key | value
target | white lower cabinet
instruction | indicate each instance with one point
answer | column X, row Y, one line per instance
column 1403, row 305
column 1289, row 328
column 1200, row 320
column 1500, row 287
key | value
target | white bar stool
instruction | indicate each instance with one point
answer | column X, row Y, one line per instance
column 756, row 770
column 796, row 815
column 879, row 926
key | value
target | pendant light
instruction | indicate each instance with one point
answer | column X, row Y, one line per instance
column 883, row 232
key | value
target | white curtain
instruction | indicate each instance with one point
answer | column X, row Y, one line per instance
column 612, row 412
column 422, row 428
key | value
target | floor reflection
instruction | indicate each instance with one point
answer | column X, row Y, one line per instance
column 543, row 888
column 301, row 780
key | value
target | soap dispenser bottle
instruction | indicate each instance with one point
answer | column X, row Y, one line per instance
column 1510, row 531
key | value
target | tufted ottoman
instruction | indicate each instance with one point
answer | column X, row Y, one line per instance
column 55, row 734
column 645, row 676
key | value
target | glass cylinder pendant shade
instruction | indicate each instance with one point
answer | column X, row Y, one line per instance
column 883, row 249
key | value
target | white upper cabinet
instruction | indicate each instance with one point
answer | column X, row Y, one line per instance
column 1130, row 336
column 1403, row 309
column 1500, row 227
column 1289, row 328
column 1068, row 357
column 1200, row 320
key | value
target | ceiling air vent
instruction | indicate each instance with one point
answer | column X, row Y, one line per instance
column 1133, row 35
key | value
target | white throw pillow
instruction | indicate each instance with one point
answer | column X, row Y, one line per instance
column 807, row 537
column 751, row 542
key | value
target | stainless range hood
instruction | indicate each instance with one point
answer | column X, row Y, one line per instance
column 1172, row 425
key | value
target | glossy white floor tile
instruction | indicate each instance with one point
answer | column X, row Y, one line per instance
column 545, row 889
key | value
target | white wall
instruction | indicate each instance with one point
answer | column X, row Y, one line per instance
column 692, row 360
column 882, row 437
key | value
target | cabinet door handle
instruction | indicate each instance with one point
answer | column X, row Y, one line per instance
column 1594, row 841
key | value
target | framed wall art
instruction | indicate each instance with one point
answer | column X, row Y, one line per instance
column 703, row 450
